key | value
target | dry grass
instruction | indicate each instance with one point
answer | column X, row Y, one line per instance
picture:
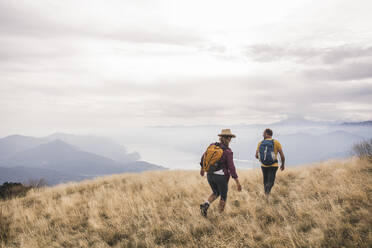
column 328, row 205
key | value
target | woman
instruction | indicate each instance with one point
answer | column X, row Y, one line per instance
column 219, row 179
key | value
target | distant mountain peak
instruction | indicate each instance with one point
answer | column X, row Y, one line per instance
column 60, row 135
column 360, row 123
column 296, row 120
column 17, row 137
column 57, row 144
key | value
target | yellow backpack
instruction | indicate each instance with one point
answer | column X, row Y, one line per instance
column 211, row 156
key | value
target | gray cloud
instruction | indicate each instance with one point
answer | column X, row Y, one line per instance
column 329, row 55
column 345, row 72
column 270, row 53
column 164, row 35
column 339, row 54
column 182, row 100
column 33, row 49
column 29, row 21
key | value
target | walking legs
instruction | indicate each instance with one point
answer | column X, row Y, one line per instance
column 269, row 174
column 221, row 206
column 212, row 197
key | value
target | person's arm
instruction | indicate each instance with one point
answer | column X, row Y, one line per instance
column 257, row 151
column 201, row 166
column 231, row 166
column 282, row 158
column 201, row 172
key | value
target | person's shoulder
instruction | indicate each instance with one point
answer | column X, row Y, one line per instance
column 228, row 150
column 277, row 143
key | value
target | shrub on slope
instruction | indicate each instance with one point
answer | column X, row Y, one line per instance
column 328, row 205
column 363, row 150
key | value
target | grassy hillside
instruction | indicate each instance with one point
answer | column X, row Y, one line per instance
column 327, row 205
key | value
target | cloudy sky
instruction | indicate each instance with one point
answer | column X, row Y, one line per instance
column 75, row 65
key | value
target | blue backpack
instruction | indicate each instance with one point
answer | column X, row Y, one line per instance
column 266, row 150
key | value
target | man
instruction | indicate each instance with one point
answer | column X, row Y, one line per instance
column 267, row 153
column 219, row 172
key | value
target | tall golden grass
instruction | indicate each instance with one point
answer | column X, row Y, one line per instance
column 326, row 205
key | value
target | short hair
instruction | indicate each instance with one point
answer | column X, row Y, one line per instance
column 269, row 132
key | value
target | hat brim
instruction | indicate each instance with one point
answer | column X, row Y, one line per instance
column 228, row 135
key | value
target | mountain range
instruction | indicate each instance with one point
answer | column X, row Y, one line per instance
column 362, row 123
column 303, row 148
column 64, row 157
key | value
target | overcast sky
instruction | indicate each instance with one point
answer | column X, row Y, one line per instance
column 75, row 65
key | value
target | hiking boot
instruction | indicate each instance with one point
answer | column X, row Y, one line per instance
column 204, row 208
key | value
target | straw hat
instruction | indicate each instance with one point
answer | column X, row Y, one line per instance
column 227, row 132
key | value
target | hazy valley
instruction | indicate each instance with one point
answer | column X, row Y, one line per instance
column 62, row 158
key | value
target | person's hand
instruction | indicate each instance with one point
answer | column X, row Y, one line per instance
column 282, row 167
column 238, row 184
column 201, row 172
column 239, row 187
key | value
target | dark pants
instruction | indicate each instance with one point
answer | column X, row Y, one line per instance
column 218, row 185
column 268, row 178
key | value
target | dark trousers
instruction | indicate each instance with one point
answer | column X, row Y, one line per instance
column 218, row 185
column 268, row 178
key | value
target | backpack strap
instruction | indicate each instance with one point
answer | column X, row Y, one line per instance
column 224, row 148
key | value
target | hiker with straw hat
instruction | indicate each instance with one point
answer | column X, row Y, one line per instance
column 218, row 163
